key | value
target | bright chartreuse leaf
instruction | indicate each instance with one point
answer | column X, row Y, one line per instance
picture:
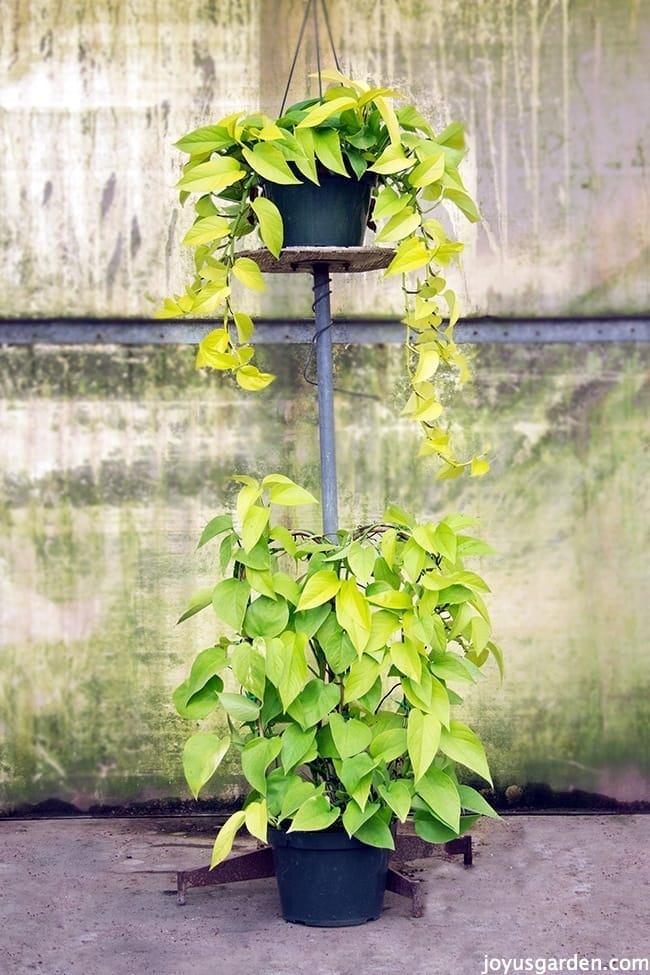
column 257, row 819
column 319, row 588
column 314, row 703
column 462, row 745
column 269, row 162
column 206, row 230
column 229, row 600
column 320, row 112
column 266, row 617
column 247, row 271
column 353, row 613
column 360, row 678
column 297, row 745
column 238, row 707
column 248, row 666
column 270, row 223
column 225, row 837
column 441, row 796
column 211, row 176
column 397, row 795
column 350, row 736
column 202, row 755
column 216, row 526
column 422, row 737
column 473, row 801
column 256, row 757
column 198, row 602
column 314, row 814
column 282, row 490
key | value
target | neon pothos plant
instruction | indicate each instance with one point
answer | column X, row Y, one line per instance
column 353, row 130
column 334, row 672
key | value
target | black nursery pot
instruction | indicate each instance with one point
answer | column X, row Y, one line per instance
column 328, row 880
column 334, row 214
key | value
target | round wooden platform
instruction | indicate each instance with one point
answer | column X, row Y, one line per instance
column 341, row 260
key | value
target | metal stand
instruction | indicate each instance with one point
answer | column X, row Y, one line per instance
column 320, row 262
column 259, row 864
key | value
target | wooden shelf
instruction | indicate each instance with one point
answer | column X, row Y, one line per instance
column 341, row 260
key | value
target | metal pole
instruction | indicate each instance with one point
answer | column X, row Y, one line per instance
column 323, row 336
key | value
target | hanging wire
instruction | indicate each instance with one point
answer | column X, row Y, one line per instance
column 295, row 55
column 311, row 7
column 317, row 45
column 329, row 33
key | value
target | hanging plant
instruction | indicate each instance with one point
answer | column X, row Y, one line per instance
column 352, row 131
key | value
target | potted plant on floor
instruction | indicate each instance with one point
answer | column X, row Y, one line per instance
column 349, row 153
column 333, row 678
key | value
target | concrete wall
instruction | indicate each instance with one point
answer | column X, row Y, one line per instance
column 553, row 94
column 112, row 459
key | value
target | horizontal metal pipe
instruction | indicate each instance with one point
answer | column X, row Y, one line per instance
column 362, row 331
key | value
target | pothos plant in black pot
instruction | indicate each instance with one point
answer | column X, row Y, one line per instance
column 335, row 677
column 379, row 163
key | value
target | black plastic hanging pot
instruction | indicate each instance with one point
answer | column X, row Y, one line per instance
column 332, row 214
column 328, row 880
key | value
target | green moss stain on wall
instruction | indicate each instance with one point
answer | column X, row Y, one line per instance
column 115, row 458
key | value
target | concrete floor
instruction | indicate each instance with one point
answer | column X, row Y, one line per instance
column 97, row 897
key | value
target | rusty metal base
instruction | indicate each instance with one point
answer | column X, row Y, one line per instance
column 259, row 864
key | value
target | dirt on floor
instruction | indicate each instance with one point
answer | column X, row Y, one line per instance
column 545, row 894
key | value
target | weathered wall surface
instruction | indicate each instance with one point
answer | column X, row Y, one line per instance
column 554, row 95
column 113, row 459
column 118, row 458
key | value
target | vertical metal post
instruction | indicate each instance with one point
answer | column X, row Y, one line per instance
column 323, row 322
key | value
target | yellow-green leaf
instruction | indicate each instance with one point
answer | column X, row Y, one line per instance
column 353, row 613
column 319, row 588
column 318, row 113
column 255, row 521
column 211, row 176
column 400, row 226
column 392, row 160
column 462, row 745
column 422, row 739
column 209, row 299
column 226, row 836
column 428, row 363
column 327, row 147
column 428, row 171
column 246, row 270
column 206, row 230
column 465, row 204
column 387, row 112
column 271, row 226
column 314, row 814
column 257, row 819
column 406, row 658
column 479, row 467
column 202, row 755
column 282, row 490
column 244, row 325
column 388, row 203
column 250, row 377
column 269, row 162
column 411, row 254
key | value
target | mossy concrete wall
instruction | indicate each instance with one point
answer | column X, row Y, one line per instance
column 116, row 458
column 112, row 459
